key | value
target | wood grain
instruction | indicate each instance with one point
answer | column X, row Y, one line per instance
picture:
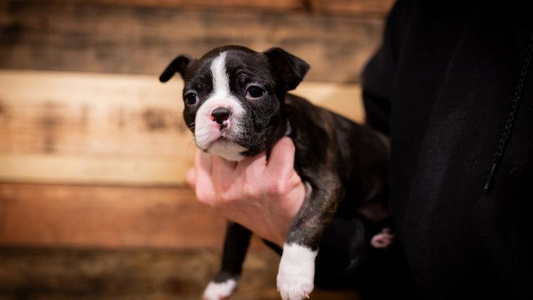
column 140, row 274
column 91, row 128
column 61, row 127
column 98, row 36
column 341, row 7
column 106, row 217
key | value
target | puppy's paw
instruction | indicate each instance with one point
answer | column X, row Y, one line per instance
column 294, row 288
column 296, row 272
column 219, row 290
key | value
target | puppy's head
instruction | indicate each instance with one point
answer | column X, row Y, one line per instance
column 233, row 97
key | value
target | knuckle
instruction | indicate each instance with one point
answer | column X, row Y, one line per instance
column 205, row 197
column 250, row 188
column 277, row 187
column 283, row 185
column 226, row 197
column 250, row 191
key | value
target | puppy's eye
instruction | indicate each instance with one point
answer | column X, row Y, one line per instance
column 190, row 98
column 255, row 92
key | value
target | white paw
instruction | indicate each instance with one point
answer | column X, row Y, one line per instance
column 296, row 272
column 219, row 290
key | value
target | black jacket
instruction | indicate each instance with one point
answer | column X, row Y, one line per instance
column 452, row 85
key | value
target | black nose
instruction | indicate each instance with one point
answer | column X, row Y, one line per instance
column 221, row 114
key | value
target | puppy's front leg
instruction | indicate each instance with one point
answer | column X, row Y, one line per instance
column 235, row 247
column 296, row 272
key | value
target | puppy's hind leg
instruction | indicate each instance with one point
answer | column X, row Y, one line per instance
column 235, row 248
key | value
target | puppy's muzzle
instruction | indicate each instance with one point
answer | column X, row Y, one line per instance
column 221, row 116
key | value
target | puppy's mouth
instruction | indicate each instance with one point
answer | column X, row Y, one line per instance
column 221, row 131
column 221, row 141
column 226, row 148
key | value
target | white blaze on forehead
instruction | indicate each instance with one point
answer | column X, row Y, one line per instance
column 220, row 76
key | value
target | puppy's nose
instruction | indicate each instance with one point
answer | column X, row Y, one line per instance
column 220, row 115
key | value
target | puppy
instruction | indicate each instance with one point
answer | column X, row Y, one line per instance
column 237, row 105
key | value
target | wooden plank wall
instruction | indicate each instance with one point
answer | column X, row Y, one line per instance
column 140, row 37
column 93, row 151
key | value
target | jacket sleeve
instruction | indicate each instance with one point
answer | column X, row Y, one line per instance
column 377, row 79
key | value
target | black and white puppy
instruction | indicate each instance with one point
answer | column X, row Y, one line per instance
column 237, row 105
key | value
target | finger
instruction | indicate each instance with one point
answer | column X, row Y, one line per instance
column 222, row 165
column 200, row 169
column 190, row 177
column 203, row 184
column 202, row 161
column 256, row 163
column 281, row 157
column 251, row 171
column 223, row 173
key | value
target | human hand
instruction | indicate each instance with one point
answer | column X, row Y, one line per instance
column 261, row 195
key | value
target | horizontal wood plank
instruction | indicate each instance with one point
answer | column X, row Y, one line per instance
column 61, row 127
column 93, row 169
column 342, row 7
column 98, row 36
column 354, row 7
column 140, row 274
column 92, row 128
column 106, row 217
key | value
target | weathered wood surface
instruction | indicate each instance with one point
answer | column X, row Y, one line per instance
column 103, row 36
column 341, row 7
column 94, row 156
column 106, row 217
column 109, row 129
column 146, row 274
column 91, row 128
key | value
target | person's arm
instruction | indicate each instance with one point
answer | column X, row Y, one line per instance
column 377, row 80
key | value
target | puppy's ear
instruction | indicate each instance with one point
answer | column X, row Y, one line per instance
column 179, row 64
column 289, row 68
